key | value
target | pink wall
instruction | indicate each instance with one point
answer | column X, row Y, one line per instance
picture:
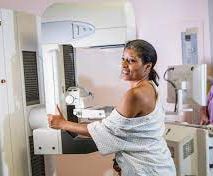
column 99, row 71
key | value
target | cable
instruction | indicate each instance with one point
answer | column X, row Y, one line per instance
column 173, row 85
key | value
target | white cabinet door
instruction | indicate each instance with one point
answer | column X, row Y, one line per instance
column 5, row 137
column 13, row 151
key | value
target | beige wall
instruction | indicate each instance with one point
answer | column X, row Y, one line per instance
column 84, row 165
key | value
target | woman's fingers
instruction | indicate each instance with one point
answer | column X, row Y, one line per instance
column 204, row 122
column 49, row 116
column 52, row 120
column 59, row 110
column 55, row 121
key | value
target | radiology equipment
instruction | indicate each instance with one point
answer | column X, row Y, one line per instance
column 65, row 24
column 190, row 145
column 50, row 141
column 187, row 84
column 45, row 139
column 82, row 100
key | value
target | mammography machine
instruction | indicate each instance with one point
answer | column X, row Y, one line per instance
column 82, row 30
column 50, row 141
column 80, row 25
column 190, row 144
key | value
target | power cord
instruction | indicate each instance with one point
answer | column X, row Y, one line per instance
column 173, row 85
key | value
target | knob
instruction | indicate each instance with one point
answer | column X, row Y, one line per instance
column 3, row 81
column 69, row 99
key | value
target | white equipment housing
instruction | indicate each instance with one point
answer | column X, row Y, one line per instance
column 191, row 148
column 78, row 97
column 90, row 113
column 82, row 100
column 88, row 24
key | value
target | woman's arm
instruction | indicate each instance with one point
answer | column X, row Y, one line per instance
column 59, row 122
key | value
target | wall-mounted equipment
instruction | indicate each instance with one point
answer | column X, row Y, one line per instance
column 89, row 24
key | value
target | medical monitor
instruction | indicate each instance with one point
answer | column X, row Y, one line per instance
column 192, row 79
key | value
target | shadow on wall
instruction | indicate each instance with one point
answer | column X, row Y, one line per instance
column 104, row 94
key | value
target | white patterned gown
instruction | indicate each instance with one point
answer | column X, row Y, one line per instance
column 138, row 142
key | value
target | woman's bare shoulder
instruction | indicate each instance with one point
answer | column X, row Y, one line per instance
column 129, row 105
column 137, row 101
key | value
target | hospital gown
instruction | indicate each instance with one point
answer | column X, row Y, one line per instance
column 138, row 142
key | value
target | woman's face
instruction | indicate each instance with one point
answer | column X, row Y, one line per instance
column 132, row 67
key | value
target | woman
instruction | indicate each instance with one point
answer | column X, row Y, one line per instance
column 134, row 130
column 207, row 111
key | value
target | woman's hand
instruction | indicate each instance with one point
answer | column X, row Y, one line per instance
column 56, row 121
column 116, row 167
column 204, row 119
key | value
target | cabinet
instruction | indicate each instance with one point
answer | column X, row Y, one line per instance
column 13, row 145
column 5, row 140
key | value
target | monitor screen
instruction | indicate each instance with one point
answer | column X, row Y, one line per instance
column 192, row 79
